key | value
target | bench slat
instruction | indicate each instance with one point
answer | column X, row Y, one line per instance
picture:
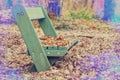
column 35, row 13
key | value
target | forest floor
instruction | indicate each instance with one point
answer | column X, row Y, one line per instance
column 95, row 57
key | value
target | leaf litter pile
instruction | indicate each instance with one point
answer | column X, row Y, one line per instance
column 96, row 56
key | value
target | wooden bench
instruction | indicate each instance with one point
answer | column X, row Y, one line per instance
column 43, row 57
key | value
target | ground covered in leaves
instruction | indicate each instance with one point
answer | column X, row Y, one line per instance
column 95, row 57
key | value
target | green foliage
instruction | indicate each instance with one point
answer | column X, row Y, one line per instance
column 82, row 14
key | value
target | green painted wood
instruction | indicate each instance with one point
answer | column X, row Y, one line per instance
column 35, row 13
column 55, row 47
column 31, row 39
column 42, row 56
column 55, row 53
column 46, row 24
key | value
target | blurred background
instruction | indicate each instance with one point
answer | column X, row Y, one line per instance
column 107, row 10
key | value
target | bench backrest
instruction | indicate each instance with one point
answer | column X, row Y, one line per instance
column 35, row 13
